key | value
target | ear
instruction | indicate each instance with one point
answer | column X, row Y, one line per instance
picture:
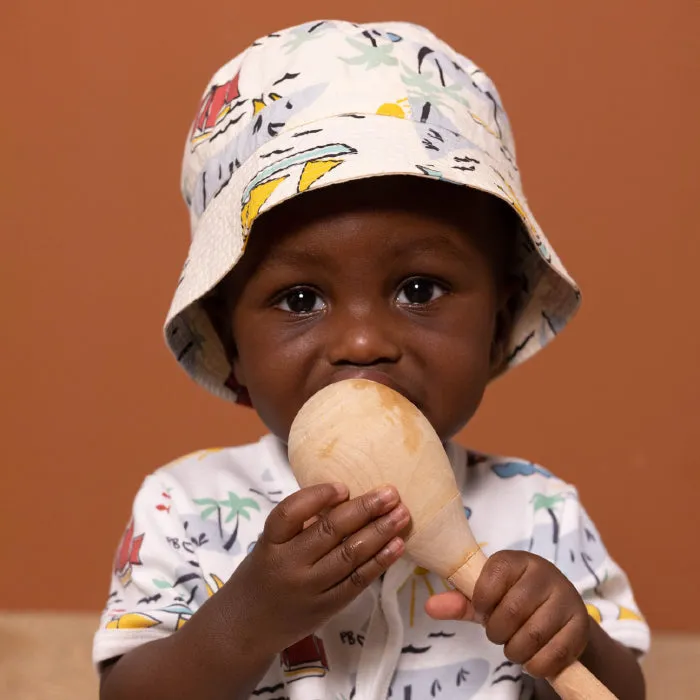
column 219, row 315
column 237, row 370
column 503, row 327
column 218, row 311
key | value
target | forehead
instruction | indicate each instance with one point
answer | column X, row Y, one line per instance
column 400, row 210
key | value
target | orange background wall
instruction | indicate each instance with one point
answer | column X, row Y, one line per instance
column 96, row 102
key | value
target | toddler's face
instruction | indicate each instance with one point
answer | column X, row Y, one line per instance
column 378, row 279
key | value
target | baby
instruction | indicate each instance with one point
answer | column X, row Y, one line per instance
column 356, row 211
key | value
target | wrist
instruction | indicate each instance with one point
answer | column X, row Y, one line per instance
column 612, row 663
column 596, row 643
column 221, row 635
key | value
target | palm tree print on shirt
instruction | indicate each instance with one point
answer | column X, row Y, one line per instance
column 541, row 501
column 237, row 507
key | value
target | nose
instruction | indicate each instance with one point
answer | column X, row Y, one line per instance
column 366, row 336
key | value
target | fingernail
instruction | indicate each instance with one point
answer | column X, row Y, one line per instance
column 387, row 495
column 394, row 548
column 341, row 489
column 400, row 515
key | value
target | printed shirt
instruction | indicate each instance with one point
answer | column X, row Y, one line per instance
column 195, row 520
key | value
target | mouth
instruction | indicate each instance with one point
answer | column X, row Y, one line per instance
column 373, row 375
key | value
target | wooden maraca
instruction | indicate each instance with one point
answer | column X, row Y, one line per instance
column 365, row 434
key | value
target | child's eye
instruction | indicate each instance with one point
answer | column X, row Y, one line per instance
column 419, row 290
column 301, row 300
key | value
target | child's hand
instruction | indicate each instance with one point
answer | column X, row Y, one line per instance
column 300, row 573
column 527, row 604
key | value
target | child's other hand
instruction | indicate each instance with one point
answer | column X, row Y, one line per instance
column 317, row 552
column 526, row 604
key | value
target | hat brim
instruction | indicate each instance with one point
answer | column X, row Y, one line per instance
column 336, row 150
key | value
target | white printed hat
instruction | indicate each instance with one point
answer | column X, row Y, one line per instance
column 328, row 102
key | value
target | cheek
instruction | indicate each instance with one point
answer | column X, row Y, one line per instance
column 273, row 366
column 261, row 365
column 460, row 393
column 464, row 374
column 464, row 338
column 269, row 385
column 460, row 359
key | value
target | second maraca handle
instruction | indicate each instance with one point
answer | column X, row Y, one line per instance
column 575, row 682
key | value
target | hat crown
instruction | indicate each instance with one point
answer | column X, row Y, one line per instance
column 321, row 69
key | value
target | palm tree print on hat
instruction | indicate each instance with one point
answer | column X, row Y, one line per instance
column 432, row 86
column 237, row 507
column 371, row 55
column 303, row 34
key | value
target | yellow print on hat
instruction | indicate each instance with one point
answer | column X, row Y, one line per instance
column 400, row 109
column 256, row 198
column 510, row 195
column 259, row 102
column 478, row 120
column 315, row 162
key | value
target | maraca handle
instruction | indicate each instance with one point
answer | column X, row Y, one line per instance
column 575, row 682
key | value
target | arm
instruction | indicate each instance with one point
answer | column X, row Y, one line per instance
column 527, row 605
column 299, row 574
column 208, row 658
column 613, row 664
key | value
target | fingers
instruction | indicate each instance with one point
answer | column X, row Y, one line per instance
column 288, row 517
column 451, row 605
column 502, row 571
column 532, row 636
column 338, row 547
column 515, row 609
column 362, row 556
column 561, row 650
column 344, row 522
column 363, row 575
column 529, row 606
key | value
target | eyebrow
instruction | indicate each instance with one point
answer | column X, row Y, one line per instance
column 433, row 244
column 437, row 244
column 293, row 257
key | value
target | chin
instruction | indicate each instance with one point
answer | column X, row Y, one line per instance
column 447, row 428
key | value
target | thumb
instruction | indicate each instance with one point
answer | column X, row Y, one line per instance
column 451, row 605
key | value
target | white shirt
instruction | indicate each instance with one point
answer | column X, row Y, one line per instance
column 196, row 519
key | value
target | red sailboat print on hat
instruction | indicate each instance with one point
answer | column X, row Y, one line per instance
column 217, row 103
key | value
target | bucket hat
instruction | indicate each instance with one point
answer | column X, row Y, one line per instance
column 328, row 102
